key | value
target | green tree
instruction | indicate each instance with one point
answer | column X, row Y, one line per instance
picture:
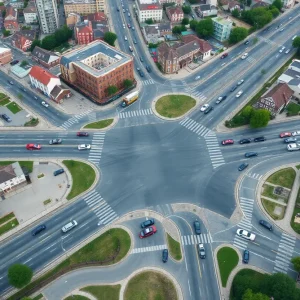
column 26, row 298
column 205, row 28
column 176, row 30
column 278, row 4
column 235, row 13
column 19, row 275
column 260, row 118
column 296, row 43
column 249, row 295
column 193, row 24
column 24, row 63
column 296, row 262
column 149, row 21
column 127, row 83
column 186, row 9
column 110, row 38
column 6, row 32
column 247, row 112
column 237, row 34
column 35, row 43
column 111, row 90
column 1, row 4
column 26, row 27
column 249, row 2
column 3, row 13
column 275, row 12
column 49, row 42
column 185, row 21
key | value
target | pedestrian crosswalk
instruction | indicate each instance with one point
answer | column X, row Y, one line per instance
column 254, row 176
column 148, row 82
column 92, row 116
column 203, row 238
column 247, row 208
column 194, row 126
column 251, row 60
column 284, row 253
column 96, row 147
column 268, row 41
column 135, row 113
column 214, row 150
column 100, row 207
column 148, row 249
column 75, row 119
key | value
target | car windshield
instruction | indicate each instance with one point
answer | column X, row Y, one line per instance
column 197, row 225
column 248, row 234
column 35, row 145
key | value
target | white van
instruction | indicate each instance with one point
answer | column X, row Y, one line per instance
column 69, row 226
column 125, row 37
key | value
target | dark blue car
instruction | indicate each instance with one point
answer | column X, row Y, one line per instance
column 38, row 229
column 246, row 256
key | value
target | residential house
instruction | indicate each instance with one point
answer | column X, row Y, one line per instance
column 175, row 14
column 59, row 93
column 293, row 72
column 152, row 11
column 288, row 3
column 260, row 4
column 206, row 10
column 23, row 39
column 11, row 19
column 151, row 34
column 84, row 7
column 275, row 99
column 222, row 28
column 30, row 14
column 5, row 56
column 46, row 58
column 294, row 85
column 232, row 5
column 177, row 2
column 165, row 28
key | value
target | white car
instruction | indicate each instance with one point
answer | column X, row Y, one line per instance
column 293, row 147
column 281, row 29
column 287, row 51
column 295, row 133
column 69, row 226
column 198, row 77
column 44, row 103
column 245, row 55
column 245, row 234
column 241, row 82
column 84, row 147
column 204, row 107
column 239, row 94
column 281, row 50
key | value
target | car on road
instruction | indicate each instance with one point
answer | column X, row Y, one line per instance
column 220, row 99
column 233, row 88
column 38, row 229
column 245, row 141
column 55, row 142
column 14, row 62
column 260, row 139
column 165, row 255
column 84, row 147
column 246, row 43
column 293, row 147
column 241, row 82
column 129, row 26
column 141, row 73
column 228, row 142
column 141, row 59
column 281, row 29
column 287, row 51
column 281, row 50
column 82, row 133
column 69, row 226
column 147, row 223
column 245, row 234
column 285, row 134
column 134, row 41
column 147, row 231
column 224, row 55
column 44, row 103
column 209, row 109
column 201, row 251
column 204, row 107
column 197, row 77
column 148, row 69
column 245, row 55
column 33, row 147
column 239, row 94
column 266, row 224
column 250, row 154
column 243, row 166
column 132, row 27
column 295, row 133
column 290, row 140
column 58, row 172
column 6, row 118
column 246, row 256
column 10, row 82
column 197, row 227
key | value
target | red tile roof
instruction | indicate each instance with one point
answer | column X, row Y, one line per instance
column 204, row 45
column 98, row 16
column 41, row 75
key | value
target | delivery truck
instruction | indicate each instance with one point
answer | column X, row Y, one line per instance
column 132, row 97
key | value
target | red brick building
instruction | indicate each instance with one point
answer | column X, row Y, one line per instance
column 175, row 14
column 11, row 19
column 5, row 56
column 23, row 39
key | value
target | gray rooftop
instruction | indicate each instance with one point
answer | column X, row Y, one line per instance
column 295, row 82
column 91, row 49
column 292, row 73
column 295, row 64
column 79, row 1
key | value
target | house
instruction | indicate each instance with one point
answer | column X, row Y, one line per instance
column 177, row 2
column 175, row 14
column 11, row 19
column 5, row 56
column 288, row 3
column 222, row 28
column 165, row 28
column 151, row 34
column 30, row 14
column 59, row 93
column 293, row 72
column 72, row 19
column 294, row 85
column 16, row 4
column 275, row 99
column 11, row 176
column 206, row 10
column 260, row 4
column 23, row 39
column 232, row 5
column 152, row 11
column 46, row 58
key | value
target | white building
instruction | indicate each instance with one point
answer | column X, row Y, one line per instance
column 48, row 15
column 152, row 11
column 177, row 2
column 222, row 28
column 30, row 14
column 288, row 3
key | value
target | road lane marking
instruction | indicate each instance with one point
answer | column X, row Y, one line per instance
column 28, row 260
column 53, row 250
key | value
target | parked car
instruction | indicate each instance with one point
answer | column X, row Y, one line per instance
column 197, row 77
column 209, row 109
column 246, row 256
column 38, row 229
column 148, row 231
column 245, row 234
column 266, row 224
column 228, row 142
column 285, row 134
column 245, row 141
column 84, row 147
column 251, row 154
column 290, row 140
column 55, row 142
column 204, row 107
column 243, row 166
column 44, row 103
column 246, row 43
column 33, row 147
column 197, row 227
column 6, row 118
column 69, row 226
column 165, row 255
column 201, row 251
column 260, row 139
column 224, row 55
column 14, row 62
column 147, row 223
column 58, row 172
column 82, row 133
column 220, row 99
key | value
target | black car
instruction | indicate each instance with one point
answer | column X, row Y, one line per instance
column 197, row 227
column 165, row 255
column 233, row 88
column 55, row 142
column 10, row 82
column 141, row 59
column 251, row 154
column 58, row 172
column 243, row 166
column 148, row 69
column 118, row 9
column 147, row 223
column 245, row 141
column 260, row 139
column 246, row 256
column 266, row 224
column 80, row 133
column 38, row 229
column 141, row 73
column 209, row 109
column 14, row 62
column 246, row 43
column 6, row 117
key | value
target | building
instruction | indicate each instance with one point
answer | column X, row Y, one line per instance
column 206, row 10
column 177, row 2
column 260, row 4
column 23, row 39
column 30, row 14
column 232, row 5
column 46, row 58
column 152, row 11
column 155, row 33
column 175, row 14
column 175, row 57
column 11, row 176
column 293, row 72
column 11, row 19
column 59, row 93
column 95, row 67
column 288, row 3
column 16, row 4
column 222, row 28
column 275, row 99
column 48, row 15
column 72, row 19
column 5, row 56
column 294, row 85
column 84, row 7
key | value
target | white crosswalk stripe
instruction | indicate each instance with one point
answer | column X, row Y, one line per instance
column 148, row 82
column 247, row 208
column 240, row 242
column 268, row 41
column 203, row 238
column 254, row 176
column 100, row 207
column 284, row 253
column 251, row 59
column 135, row 113
column 194, row 126
column 148, row 249
column 96, row 147
column 214, row 150
column 75, row 119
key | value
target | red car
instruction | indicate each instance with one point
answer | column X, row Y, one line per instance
column 82, row 134
column 148, row 231
column 228, row 142
column 224, row 55
column 129, row 26
column 33, row 147
column 285, row 134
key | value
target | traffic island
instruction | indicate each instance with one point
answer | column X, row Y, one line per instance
column 77, row 297
column 100, row 124
column 108, row 292
column 174, row 248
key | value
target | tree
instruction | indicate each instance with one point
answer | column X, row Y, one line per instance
column 185, row 21
column 26, row 298
column 205, row 28
column 6, row 32
column 247, row 112
column 112, row 89
column 110, row 38
column 275, row 12
column 19, row 275
column 49, row 42
column 186, row 9
column 260, row 118
column 127, row 83
column 24, row 63
column 237, row 34
column 235, row 13
column 296, row 262
column 176, row 30
column 249, row 2
column 278, row 4
column 26, row 27
column 296, row 44
column 249, row 295
column 35, row 43
column 193, row 24
column 149, row 21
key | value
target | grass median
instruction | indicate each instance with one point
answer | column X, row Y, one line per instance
column 76, row 297
column 104, row 292
column 108, row 248
column 83, row 177
column 173, row 106
column 99, row 124
column 174, row 247
column 284, row 177
column 14, row 107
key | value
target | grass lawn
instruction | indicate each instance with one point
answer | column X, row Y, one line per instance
column 269, row 206
column 6, row 218
column 76, row 297
column 83, row 177
column 150, row 285
column 173, row 106
column 227, row 260
column 99, row 124
column 104, row 292
column 298, row 167
column 14, row 107
column 8, row 226
column 2, row 96
column 33, row 122
column 268, row 192
column 4, row 102
column 38, row 297
column 295, row 226
column 284, row 177
column 293, row 109
column 174, row 248
column 100, row 249
column 27, row 164
column 62, row 48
